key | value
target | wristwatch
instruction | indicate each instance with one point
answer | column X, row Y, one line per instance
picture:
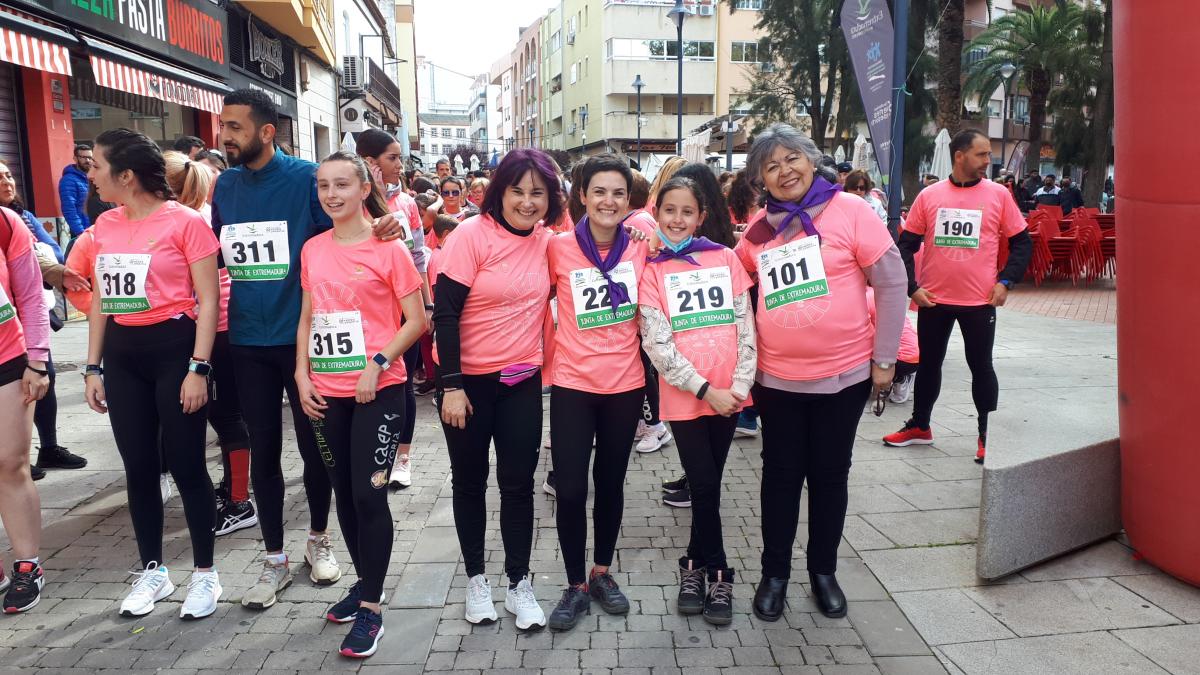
column 381, row 361
column 1006, row 283
column 199, row 367
column 92, row 369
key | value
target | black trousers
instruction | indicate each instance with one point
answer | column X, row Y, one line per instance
column 45, row 412
column 703, row 448
column 358, row 443
column 144, row 367
column 410, row 396
column 650, row 400
column 576, row 418
column 263, row 375
column 806, row 437
column 511, row 418
column 978, row 328
column 224, row 410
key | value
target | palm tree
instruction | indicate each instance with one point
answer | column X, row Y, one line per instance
column 1041, row 43
column 949, row 77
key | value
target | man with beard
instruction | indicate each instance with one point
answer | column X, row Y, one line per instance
column 265, row 208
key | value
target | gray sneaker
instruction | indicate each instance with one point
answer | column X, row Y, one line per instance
column 274, row 578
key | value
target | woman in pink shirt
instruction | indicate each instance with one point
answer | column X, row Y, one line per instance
column 812, row 253
column 361, row 310
column 152, row 323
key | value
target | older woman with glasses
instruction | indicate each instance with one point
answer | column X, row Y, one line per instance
column 454, row 199
column 860, row 184
column 813, row 251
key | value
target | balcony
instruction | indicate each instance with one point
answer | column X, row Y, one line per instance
column 699, row 77
column 308, row 22
column 656, row 126
column 381, row 87
column 554, row 106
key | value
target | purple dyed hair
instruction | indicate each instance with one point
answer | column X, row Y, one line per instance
column 512, row 169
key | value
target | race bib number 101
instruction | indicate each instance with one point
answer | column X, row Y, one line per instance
column 792, row 273
column 256, row 251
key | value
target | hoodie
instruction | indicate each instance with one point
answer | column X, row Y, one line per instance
column 73, row 192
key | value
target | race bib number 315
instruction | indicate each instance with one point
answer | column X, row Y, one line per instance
column 957, row 228
column 336, row 344
column 122, row 281
column 589, row 291
column 792, row 273
column 700, row 298
column 256, row 251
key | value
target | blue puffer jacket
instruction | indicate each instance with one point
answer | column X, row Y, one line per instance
column 265, row 313
column 72, row 192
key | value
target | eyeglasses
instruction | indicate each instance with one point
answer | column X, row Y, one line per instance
column 451, row 193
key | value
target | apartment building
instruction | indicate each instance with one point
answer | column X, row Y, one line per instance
column 518, row 77
column 406, row 70
column 441, row 132
column 482, row 111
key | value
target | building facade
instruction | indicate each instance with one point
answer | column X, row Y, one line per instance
column 440, row 133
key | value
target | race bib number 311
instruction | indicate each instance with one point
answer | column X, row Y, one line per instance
column 336, row 344
column 792, row 273
column 957, row 228
column 122, row 281
column 589, row 291
column 700, row 298
column 256, row 251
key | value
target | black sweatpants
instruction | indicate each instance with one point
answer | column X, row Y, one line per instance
column 576, row 418
column 263, row 374
column 144, row 367
column 510, row 417
column 703, row 448
column 358, row 443
column 224, row 410
column 410, row 396
column 45, row 412
column 806, row 437
column 978, row 328
column 650, row 399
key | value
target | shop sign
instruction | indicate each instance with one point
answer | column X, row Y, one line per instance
column 265, row 50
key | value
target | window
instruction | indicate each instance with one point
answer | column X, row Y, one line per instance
column 1020, row 109
column 747, row 52
column 574, row 72
column 555, row 42
column 741, row 107
column 628, row 49
column 460, row 133
column 585, row 16
column 587, row 60
column 446, row 132
column 748, row 4
column 993, row 109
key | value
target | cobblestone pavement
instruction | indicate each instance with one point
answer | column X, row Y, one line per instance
column 1062, row 300
column 912, row 520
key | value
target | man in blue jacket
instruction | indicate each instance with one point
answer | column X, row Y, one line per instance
column 265, row 207
column 73, row 190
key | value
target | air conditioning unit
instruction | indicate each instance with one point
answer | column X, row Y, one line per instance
column 704, row 10
column 571, row 37
column 354, row 73
column 571, row 129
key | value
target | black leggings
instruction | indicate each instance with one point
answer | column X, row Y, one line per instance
column 224, row 411
column 703, row 448
column 806, row 436
column 263, row 374
column 576, row 418
column 410, row 396
column 144, row 368
column 45, row 412
column 650, row 400
column 978, row 328
column 510, row 417
column 358, row 443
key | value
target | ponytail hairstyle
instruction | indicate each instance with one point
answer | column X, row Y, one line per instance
column 128, row 150
column 190, row 181
column 375, row 203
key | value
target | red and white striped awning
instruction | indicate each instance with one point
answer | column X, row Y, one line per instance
column 31, row 52
column 125, row 78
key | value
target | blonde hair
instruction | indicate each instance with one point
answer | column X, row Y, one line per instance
column 666, row 173
column 190, row 180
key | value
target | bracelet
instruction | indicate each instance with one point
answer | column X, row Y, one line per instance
column 39, row 372
column 447, row 390
column 92, row 369
column 703, row 390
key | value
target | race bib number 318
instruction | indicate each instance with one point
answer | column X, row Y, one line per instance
column 122, row 281
column 256, row 251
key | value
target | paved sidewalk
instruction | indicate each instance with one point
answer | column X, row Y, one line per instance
column 907, row 564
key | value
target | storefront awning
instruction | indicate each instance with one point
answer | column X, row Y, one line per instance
column 33, row 44
column 112, row 67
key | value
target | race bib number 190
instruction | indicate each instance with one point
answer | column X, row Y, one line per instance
column 792, row 273
column 336, row 344
column 122, row 281
column 957, row 228
column 256, row 251
column 589, row 291
column 700, row 298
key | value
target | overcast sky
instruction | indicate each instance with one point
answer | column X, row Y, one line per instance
column 469, row 35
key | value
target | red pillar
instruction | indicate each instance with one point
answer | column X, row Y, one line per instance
column 1159, row 318
column 208, row 128
column 51, row 141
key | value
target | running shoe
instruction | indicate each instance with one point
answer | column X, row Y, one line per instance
column 674, row 485
column 574, row 604
column 548, row 485
column 680, row 499
column 747, row 426
column 323, row 567
column 604, row 590
column 233, row 516
column 691, row 587
column 58, row 457
column 656, row 436
column 523, row 604
column 25, row 588
column 271, row 582
column 911, row 434
column 479, row 606
column 164, row 488
column 425, row 388
column 641, row 430
column 5, row 582
column 401, row 472
column 982, row 451
column 204, row 590
column 718, row 602
column 36, row 472
column 221, row 495
column 151, row 585
column 902, row 389
column 364, row 636
column 346, row 609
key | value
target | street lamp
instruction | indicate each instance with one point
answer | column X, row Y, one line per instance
column 678, row 13
column 1006, row 71
column 583, row 113
column 638, row 84
column 531, row 130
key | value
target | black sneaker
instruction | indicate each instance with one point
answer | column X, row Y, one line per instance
column 346, row 609
column 718, row 602
column 222, row 496
column 26, row 588
column 604, row 589
column 425, row 388
column 548, row 485
column 58, row 457
column 364, row 637
column 36, row 472
column 674, row 485
column 233, row 516
column 691, row 587
column 680, row 499
column 572, row 606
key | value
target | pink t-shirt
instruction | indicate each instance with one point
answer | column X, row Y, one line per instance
column 595, row 351
column 828, row 331
column 642, row 220
column 12, row 336
column 501, row 323
column 962, row 229
column 712, row 350
column 223, row 280
column 82, row 260
column 369, row 278
column 145, row 292
column 909, row 351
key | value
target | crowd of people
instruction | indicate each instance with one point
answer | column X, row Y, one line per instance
column 684, row 310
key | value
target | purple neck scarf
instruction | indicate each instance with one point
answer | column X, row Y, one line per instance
column 819, row 192
column 617, row 295
column 697, row 245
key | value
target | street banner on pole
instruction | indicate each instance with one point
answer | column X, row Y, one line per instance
column 868, row 29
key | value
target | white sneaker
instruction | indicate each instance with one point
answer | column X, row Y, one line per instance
column 656, row 437
column 204, row 590
column 521, row 603
column 902, row 388
column 323, row 567
column 641, row 429
column 164, row 487
column 265, row 591
column 151, row 585
column 401, row 472
column 480, row 608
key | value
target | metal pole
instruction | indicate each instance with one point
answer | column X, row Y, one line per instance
column 1004, row 124
column 639, row 128
column 679, row 99
column 899, row 75
column 729, row 143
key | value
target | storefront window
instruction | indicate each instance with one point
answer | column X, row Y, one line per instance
column 95, row 109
